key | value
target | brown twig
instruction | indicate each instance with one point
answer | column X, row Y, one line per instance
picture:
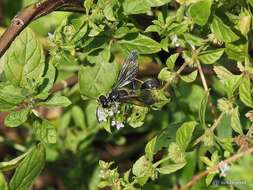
column 32, row 12
column 216, row 167
column 64, row 84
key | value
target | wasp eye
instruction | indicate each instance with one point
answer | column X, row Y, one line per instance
column 104, row 101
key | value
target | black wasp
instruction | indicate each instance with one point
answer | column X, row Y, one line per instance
column 109, row 104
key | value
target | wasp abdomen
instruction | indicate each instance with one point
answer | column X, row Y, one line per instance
column 150, row 84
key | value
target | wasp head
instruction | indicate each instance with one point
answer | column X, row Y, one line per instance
column 103, row 101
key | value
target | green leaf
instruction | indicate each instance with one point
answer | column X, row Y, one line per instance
column 200, row 11
column 190, row 77
column 251, row 2
column 10, row 97
column 221, row 31
column 24, row 59
column 237, row 51
column 3, row 183
column 9, row 165
column 209, row 178
column 170, row 62
column 29, row 168
column 137, row 117
column 184, row 134
column 231, row 82
column 211, row 56
column 235, row 121
column 80, row 29
column 78, row 116
column 135, row 7
column 194, row 40
column 160, row 141
column 121, row 32
column 245, row 92
column 202, row 110
column 143, row 44
column 168, row 169
column 87, row 4
column 157, row 3
column 175, row 153
column 56, row 100
column 48, row 80
column 44, row 131
column 143, row 170
column 150, row 148
column 97, row 79
column 153, row 28
column 16, row 118
column 245, row 23
column 164, row 74
column 108, row 12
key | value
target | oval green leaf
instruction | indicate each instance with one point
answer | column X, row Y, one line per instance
column 24, row 59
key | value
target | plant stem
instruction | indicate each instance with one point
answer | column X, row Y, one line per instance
column 160, row 161
column 204, row 83
column 217, row 121
column 30, row 13
column 216, row 167
column 202, row 76
column 182, row 68
column 168, row 83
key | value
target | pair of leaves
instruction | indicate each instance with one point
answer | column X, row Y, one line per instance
column 178, row 148
column 183, row 138
column 17, row 118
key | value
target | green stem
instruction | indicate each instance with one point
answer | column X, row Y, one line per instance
column 155, row 165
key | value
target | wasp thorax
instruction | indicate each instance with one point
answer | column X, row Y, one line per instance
column 113, row 96
column 104, row 101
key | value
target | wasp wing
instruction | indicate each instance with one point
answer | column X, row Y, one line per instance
column 142, row 97
column 128, row 71
column 132, row 98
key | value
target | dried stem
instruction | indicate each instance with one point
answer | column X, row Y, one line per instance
column 204, row 83
column 202, row 76
column 216, row 167
column 64, row 84
column 30, row 13
column 217, row 121
column 181, row 68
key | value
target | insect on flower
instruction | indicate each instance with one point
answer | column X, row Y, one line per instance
column 110, row 104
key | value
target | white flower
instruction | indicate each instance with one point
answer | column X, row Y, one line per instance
column 113, row 123
column 175, row 41
column 119, row 125
column 110, row 113
column 224, row 168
